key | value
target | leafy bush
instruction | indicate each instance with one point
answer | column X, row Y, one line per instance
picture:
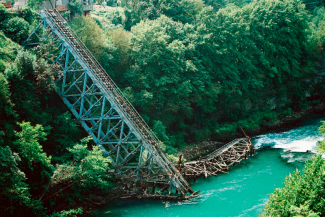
column 75, row 7
column 270, row 117
column 87, row 171
column 32, row 155
column 17, row 29
column 34, row 4
column 8, row 48
column 2, row 66
column 14, row 196
column 4, row 16
column 90, row 33
column 29, row 15
column 321, row 144
column 69, row 213
column 287, row 112
column 227, row 130
column 302, row 194
column 7, row 115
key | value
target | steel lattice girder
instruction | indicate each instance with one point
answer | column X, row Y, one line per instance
column 104, row 118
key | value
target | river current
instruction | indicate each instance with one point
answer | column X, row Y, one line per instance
column 242, row 192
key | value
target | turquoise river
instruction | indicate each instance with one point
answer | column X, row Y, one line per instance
column 242, row 192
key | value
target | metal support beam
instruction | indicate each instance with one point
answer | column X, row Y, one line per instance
column 104, row 112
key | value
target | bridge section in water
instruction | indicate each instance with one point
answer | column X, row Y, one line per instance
column 218, row 161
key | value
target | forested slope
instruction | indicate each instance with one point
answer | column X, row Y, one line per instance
column 202, row 74
column 194, row 72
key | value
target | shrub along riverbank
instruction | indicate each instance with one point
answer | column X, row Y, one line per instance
column 303, row 191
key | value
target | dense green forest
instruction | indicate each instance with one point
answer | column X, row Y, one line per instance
column 194, row 70
column 196, row 73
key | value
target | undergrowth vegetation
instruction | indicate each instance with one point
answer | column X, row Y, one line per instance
column 302, row 194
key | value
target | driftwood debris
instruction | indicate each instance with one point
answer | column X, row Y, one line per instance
column 218, row 161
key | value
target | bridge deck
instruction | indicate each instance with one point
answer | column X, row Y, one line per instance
column 218, row 161
column 224, row 148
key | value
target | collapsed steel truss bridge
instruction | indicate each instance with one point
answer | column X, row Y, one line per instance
column 105, row 113
column 114, row 124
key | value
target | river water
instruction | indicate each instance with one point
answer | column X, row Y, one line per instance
column 242, row 192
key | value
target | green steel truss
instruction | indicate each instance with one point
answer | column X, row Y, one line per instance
column 105, row 112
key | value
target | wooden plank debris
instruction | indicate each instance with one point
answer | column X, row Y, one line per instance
column 218, row 161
